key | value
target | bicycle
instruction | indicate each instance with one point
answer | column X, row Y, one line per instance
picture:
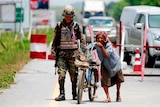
column 87, row 78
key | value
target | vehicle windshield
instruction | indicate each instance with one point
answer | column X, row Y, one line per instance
column 101, row 22
column 154, row 21
column 89, row 14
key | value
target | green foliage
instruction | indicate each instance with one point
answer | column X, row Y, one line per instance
column 6, row 78
column 109, row 9
column 152, row 3
column 15, row 53
column 133, row 2
column 118, row 9
column 115, row 9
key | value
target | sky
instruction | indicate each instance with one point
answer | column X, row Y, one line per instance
column 65, row 2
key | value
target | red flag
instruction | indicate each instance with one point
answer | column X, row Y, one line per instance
column 34, row 4
column 39, row 4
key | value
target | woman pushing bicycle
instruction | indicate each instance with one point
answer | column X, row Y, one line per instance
column 110, row 65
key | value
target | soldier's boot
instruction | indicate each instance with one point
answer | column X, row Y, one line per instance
column 61, row 96
column 74, row 89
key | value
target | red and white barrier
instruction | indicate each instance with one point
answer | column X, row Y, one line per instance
column 38, row 46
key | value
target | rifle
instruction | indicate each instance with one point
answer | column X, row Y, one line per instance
column 56, row 60
column 57, row 43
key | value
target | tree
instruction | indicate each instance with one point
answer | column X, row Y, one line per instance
column 117, row 9
column 109, row 8
column 152, row 3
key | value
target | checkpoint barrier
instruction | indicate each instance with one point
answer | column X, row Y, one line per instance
column 140, row 66
column 142, row 46
column 38, row 46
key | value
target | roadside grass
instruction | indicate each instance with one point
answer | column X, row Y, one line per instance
column 14, row 54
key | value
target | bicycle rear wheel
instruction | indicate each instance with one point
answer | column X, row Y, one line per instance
column 93, row 84
column 81, row 85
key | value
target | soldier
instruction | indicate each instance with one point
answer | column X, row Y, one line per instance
column 64, row 46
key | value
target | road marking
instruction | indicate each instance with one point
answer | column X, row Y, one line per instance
column 54, row 103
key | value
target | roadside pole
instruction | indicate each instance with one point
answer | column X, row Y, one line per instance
column 120, row 39
column 144, row 51
column 122, row 45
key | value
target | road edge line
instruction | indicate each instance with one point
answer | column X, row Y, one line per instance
column 54, row 103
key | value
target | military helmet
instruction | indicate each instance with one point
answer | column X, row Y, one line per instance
column 68, row 11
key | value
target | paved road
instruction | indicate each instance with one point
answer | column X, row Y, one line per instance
column 36, row 86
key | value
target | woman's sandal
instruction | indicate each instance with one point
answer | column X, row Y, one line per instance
column 118, row 99
column 107, row 100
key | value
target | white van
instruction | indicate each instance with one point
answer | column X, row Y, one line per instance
column 150, row 17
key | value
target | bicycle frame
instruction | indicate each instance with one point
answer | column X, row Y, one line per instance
column 87, row 79
column 87, row 75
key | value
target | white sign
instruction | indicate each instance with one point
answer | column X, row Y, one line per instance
column 42, row 18
column 25, row 4
column 7, row 13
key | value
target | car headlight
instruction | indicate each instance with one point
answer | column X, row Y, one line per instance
column 156, row 37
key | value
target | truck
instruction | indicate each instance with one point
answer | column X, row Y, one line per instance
column 92, row 8
column 148, row 16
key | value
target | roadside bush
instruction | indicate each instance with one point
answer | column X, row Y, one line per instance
column 15, row 53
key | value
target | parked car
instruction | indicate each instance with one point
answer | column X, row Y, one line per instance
column 149, row 16
column 102, row 23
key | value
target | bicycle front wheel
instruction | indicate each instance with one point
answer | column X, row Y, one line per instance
column 93, row 84
column 81, row 85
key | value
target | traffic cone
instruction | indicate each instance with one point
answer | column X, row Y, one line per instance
column 137, row 63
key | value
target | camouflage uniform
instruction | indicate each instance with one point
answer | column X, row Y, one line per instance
column 65, row 47
column 66, row 62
